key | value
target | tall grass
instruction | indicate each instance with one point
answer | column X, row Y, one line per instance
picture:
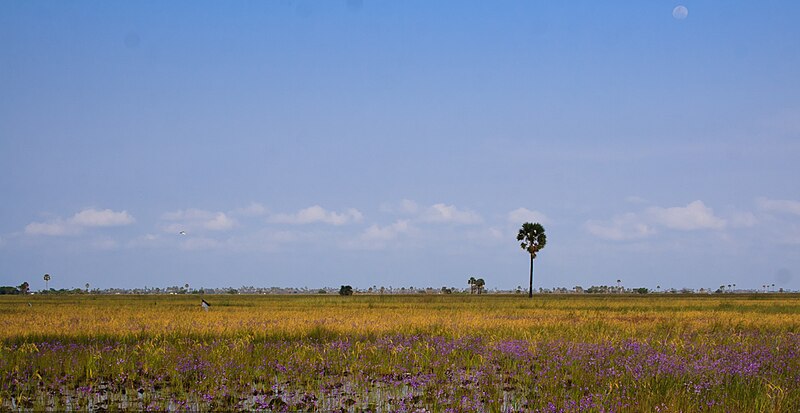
column 401, row 353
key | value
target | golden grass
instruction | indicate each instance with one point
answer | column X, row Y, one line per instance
column 585, row 317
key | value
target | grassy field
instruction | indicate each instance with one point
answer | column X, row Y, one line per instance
column 669, row 353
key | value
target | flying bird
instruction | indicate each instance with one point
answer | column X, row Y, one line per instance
column 182, row 232
column 205, row 305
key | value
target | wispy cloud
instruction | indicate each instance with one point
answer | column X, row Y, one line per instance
column 101, row 218
column 629, row 226
column 54, row 228
column 742, row 219
column 441, row 213
column 694, row 216
column 620, row 228
column 253, row 210
column 87, row 218
column 779, row 205
column 520, row 215
column 377, row 237
column 386, row 233
column 315, row 214
column 196, row 219
column 405, row 207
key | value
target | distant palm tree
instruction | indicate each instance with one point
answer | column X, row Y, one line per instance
column 87, row 287
column 471, row 283
column 479, row 284
column 533, row 240
column 619, row 289
column 46, row 281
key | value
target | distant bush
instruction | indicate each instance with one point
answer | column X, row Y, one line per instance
column 7, row 290
column 346, row 290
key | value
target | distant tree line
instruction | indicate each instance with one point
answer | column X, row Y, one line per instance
column 604, row 289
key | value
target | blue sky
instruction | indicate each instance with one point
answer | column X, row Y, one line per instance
column 399, row 143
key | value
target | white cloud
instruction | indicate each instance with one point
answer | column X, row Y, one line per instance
column 441, row 213
column 378, row 233
column 520, row 215
column 409, row 207
column 694, row 216
column 101, row 218
column 483, row 236
column 495, row 233
column 197, row 219
column 741, row 219
column 51, row 228
column 219, row 222
column 190, row 214
column 405, row 207
column 253, row 210
column 621, row 227
column 88, row 218
column 376, row 237
column 317, row 213
column 779, row 205
column 436, row 213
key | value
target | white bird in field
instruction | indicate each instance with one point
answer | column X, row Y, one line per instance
column 205, row 305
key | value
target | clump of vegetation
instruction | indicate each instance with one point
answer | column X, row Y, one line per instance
column 21, row 289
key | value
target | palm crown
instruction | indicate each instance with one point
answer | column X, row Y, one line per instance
column 532, row 237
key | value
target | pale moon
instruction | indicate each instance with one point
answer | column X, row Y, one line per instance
column 680, row 12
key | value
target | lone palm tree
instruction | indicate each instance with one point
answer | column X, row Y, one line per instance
column 471, row 283
column 46, row 281
column 533, row 240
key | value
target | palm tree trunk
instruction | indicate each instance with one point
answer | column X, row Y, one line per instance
column 530, row 285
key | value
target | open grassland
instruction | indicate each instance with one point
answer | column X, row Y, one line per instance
column 723, row 353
